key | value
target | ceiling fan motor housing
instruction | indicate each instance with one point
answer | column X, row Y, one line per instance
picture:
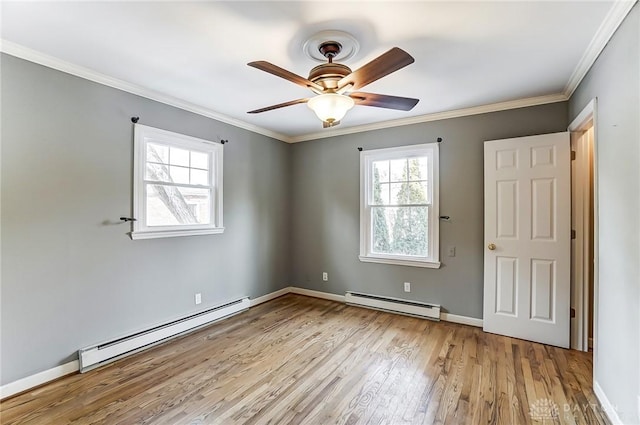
column 328, row 74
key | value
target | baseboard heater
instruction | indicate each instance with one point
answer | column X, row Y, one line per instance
column 394, row 305
column 98, row 355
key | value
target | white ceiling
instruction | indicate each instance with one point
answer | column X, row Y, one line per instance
column 466, row 54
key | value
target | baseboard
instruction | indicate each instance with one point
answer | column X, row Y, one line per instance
column 24, row 384
column 268, row 297
column 316, row 294
column 607, row 407
column 463, row 320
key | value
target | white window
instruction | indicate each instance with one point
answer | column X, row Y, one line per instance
column 399, row 206
column 177, row 185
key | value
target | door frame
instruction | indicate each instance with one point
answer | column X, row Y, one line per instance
column 580, row 297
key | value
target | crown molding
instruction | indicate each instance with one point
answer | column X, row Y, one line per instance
column 31, row 55
column 493, row 107
column 608, row 27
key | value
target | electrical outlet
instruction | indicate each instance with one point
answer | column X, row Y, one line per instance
column 198, row 298
column 452, row 251
column 325, row 276
column 407, row 287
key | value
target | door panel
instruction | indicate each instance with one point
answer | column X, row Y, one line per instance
column 542, row 289
column 543, row 209
column 527, row 238
column 506, row 286
column 507, row 209
column 542, row 156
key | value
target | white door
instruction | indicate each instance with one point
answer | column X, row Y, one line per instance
column 527, row 222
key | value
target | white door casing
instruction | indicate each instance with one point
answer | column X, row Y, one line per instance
column 527, row 187
column 581, row 143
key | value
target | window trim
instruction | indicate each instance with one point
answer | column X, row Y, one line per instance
column 366, row 160
column 143, row 135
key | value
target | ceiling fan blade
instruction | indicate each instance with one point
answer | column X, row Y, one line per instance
column 384, row 64
column 283, row 73
column 384, row 101
column 279, row 105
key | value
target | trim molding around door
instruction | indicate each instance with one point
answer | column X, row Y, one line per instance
column 586, row 119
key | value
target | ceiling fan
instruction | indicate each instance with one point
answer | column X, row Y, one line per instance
column 333, row 84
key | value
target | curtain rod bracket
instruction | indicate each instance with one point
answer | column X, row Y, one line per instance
column 439, row 140
column 222, row 141
column 360, row 148
column 135, row 119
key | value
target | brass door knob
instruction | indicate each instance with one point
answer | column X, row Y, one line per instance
column 491, row 246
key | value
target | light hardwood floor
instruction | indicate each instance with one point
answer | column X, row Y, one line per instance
column 300, row 360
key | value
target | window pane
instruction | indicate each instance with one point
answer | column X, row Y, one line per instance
column 179, row 174
column 410, row 231
column 382, row 224
column 171, row 206
column 200, row 177
column 380, row 194
column 179, row 156
column 418, row 168
column 400, row 230
column 418, row 193
column 398, row 170
column 381, row 171
column 157, row 153
column 157, row 172
column 399, row 193
column 199, row 160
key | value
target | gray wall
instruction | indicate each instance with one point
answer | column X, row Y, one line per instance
column 70, row 275
column 615, row 81
column 326, row 207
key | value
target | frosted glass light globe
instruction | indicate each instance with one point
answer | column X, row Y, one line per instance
column 330, row 107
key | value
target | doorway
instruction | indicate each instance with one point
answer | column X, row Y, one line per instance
column 583, row 225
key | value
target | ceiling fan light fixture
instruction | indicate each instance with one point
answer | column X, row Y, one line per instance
column 330, row 107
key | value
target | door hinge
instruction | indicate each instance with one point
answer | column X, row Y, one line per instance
column 573, row 234
column 573, row 155
column 573, row 313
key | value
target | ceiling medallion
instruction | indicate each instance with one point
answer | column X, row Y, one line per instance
column 349, row 45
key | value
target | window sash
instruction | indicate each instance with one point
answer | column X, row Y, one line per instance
column 399, row 205
column 200, row 148
column 178, row 226
column 194, row 186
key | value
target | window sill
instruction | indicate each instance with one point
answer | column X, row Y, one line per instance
column 398, row 262
column 155, row 234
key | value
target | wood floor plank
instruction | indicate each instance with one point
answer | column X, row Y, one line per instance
column 300, row 360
